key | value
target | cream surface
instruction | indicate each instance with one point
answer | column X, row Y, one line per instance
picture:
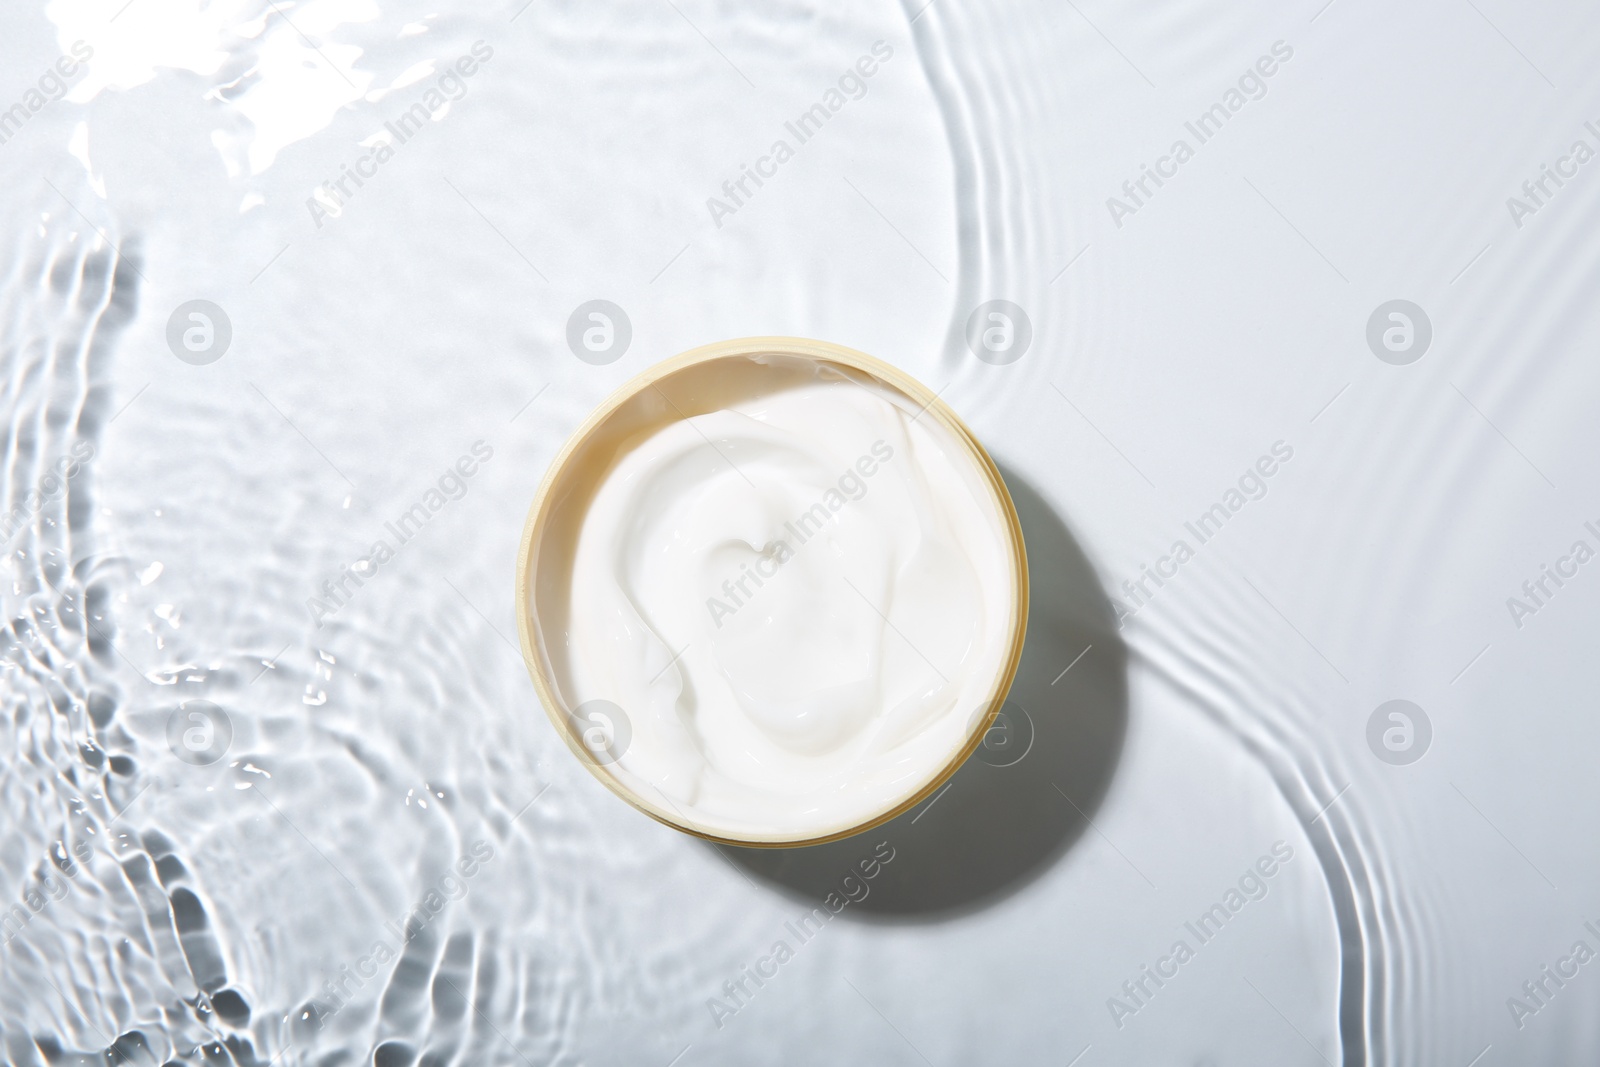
column 799, row 603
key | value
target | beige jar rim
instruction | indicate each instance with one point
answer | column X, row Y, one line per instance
column 548, row 496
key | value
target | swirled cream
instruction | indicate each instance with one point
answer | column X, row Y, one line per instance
column 783, row 614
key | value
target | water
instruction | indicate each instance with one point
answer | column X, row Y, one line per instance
column 303, row 897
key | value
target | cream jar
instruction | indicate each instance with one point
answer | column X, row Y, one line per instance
column 772, row 591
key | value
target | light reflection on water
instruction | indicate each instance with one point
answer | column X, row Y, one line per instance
column 240, row 822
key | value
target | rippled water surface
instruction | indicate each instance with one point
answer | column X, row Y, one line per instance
column 272, row 795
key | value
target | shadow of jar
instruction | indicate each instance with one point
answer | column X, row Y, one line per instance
column 1026, row 794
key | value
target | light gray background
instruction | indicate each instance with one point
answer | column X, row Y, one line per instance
column 1169, row 352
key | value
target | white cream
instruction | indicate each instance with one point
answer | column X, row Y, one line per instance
column 800, row 602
